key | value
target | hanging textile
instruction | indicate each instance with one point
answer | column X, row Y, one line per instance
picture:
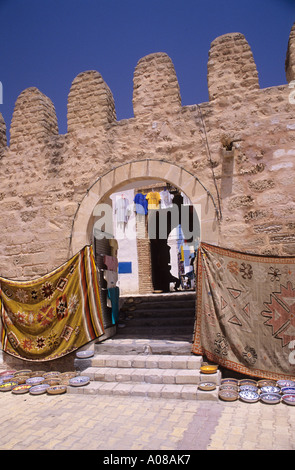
column 54, row 315
column 166, row 199
column 111, row 277
column 153, row 198
column 141, row 204
column 245, row 317
column 122, row 210
column 111, row 262
column 113, row 296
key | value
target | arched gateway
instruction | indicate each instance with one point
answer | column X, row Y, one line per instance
column 161, row 170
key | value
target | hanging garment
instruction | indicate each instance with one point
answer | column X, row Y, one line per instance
column 113, row 296
column 121, row 209
column 166, row 199
column 111, row 262
column 114, row 246
column 111, row 277
column 54, row 315
column 141, row 204
column 153, row 198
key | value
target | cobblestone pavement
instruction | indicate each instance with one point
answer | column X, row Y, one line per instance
column 87, row 422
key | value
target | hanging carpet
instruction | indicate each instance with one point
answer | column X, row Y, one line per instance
column 54, row 315
column 245, row 314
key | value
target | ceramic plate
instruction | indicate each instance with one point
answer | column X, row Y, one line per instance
column 84, row 354
column 7, row 378
column 288, row 390
column 265, row 383
column 270, row 398
column 289, row 399
column 207, row 386
column 6, row 387
column 7, row 372
column 248, row 396
column 249, row 388
column 79, row 381
column 68, row 375
column 52, row 381
column 35, row 380
column 270, row 389
column 209, row 369
column 229, row 386
column 38, row 389
column 23, row 372
column 51, row 374
column 56, row 389
column 248, row 382
column 285, row 383
column 21, row 388
column 228, row 395
column 229, row 381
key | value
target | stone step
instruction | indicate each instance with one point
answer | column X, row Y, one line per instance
column 160, row 321
column 126, row 346
column 139, row 361
column 177, row 305
column 166, row 313
column 149, row 390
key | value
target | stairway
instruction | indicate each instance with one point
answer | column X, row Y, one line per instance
column 151, row 355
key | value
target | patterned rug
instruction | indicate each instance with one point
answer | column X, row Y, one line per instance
column 54, row 315
column 245, row 313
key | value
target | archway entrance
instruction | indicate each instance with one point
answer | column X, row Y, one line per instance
column 154, row 272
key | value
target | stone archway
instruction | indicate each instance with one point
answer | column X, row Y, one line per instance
column 106, row 184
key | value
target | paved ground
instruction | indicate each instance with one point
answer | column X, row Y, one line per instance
column 87, row 422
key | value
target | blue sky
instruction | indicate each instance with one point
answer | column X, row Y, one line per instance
column 46, row 43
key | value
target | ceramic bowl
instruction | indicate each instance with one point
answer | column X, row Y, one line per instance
column 207, row 386
column 288, row 390
column 23, row 372
column 228, row 395
column 285, row 383
column 209, row 369
column 39, row 389
column 38, row 373
column 84, row 354
column 56, row 389
column 53, row 381
column 7, row 386
column 35, row 380
column 21, row 379
column 229, row 381
column 79, row 381
column 266, row 382
column 229, row 386
column 289, row 399
column 270, row 398
column 248, row 382
column 7, row 378
column 249, row 396
column 7, row 372
column 270, row 389
column 18, row 389
column 249, row 388
column 68, row 375
column 49, row 375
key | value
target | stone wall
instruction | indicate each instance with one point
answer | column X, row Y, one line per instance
column 239, row 146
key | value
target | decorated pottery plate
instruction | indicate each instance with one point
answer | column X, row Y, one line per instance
column 270, row 398
column 289, row 399
column 209, row 369
column 21, row 388
column 56, row 389
column 229, row 386
column 7, row 372
column 288, row 390
column 84, row 354
column 285, row 383
column 79, row 381
column 39, row 389
column 68, row 375
column 248, row 396
column 248, row 382
column 23, row 372
column 21, row 379
column 229, row 381
column 51, row 375
column 207, row 386
column 265, row 383
column 249, row 388
column 7, row 386
column 228, row 395
column 7, row 378
column 52, row 381
column 38, row 373
column 35, row 380
column 270, row 389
